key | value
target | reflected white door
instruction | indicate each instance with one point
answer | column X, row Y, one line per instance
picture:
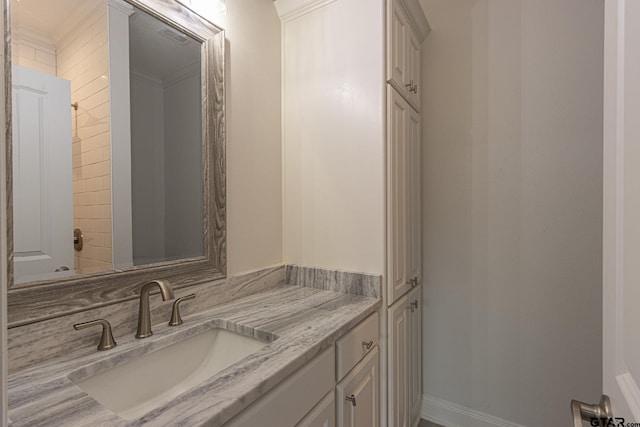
column 42, row 168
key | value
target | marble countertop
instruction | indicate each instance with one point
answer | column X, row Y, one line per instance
column 305, row 322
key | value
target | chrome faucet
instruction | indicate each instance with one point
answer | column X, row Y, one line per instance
column 144, row 315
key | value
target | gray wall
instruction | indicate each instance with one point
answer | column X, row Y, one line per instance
column 184, row 229
column 512, row 214
column 147, row 170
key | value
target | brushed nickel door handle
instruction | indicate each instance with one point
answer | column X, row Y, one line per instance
column 581, row 410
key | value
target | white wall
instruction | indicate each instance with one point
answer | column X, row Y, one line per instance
column 254, row 166
column 33, row 50
column 512, row 226
column 333, row 140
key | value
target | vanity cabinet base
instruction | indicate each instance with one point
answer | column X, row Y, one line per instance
column 290, row 401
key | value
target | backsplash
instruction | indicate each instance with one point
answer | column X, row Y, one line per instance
column 333, row 280
column 38, row 342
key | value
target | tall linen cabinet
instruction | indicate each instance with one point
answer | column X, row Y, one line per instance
column 351, row 165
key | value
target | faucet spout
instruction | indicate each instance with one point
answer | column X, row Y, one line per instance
column 144, row 313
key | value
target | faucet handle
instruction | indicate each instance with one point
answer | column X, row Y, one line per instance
column 106, row 340
column 176, row 319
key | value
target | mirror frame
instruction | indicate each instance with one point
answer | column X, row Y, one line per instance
column 36, row 301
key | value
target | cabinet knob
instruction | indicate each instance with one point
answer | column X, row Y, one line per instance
column 410, row 85
column 368, row 344
column 414, row 89
column 351, row 399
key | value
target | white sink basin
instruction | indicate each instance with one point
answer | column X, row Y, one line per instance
column 136, row 387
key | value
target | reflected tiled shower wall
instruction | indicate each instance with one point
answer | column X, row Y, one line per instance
column 82, row 58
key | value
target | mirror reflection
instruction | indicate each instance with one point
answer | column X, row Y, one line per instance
column 107, row 139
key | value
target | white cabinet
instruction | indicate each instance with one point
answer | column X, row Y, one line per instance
column 311, row 398
column 405, row 360
column 403, row 186
column 323, row 414
column 404, row 236
column 413, row 68
column 358, row 394
column 413, row 197
column 403, row 53
column 355, row 344
column 397, row 283
column 290, row 401
column 398, row 319
column 397, row 29
column 414, row 356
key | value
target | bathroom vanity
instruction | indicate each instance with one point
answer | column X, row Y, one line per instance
column 315, row 345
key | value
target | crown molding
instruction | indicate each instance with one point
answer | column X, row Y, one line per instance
column 416, row 17
column 292, row 9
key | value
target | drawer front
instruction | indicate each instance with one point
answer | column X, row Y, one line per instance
column 356, row 344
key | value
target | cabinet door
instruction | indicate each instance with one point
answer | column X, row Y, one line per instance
column 403, row 54
column 398, row 318
column 414, row 356
column 323, row 414
column 398, row 110
column 413, row 67
column 397, row 29
column 357, row 395
column 413, row 198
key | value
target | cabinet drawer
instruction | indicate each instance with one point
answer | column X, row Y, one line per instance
column 356, row 344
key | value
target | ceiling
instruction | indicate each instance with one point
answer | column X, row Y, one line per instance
column 158, row 50
column 47, row 17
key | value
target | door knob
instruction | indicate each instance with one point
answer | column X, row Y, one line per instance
column 583, row 411
column 77, row 239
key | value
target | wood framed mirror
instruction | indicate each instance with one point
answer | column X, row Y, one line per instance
column 128, row 95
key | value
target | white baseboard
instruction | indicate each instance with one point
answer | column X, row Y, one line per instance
column 449, row 414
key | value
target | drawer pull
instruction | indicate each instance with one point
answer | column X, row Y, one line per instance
column 413, row 282
column 413, row 305
column 351, row 399
column 368, row 345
